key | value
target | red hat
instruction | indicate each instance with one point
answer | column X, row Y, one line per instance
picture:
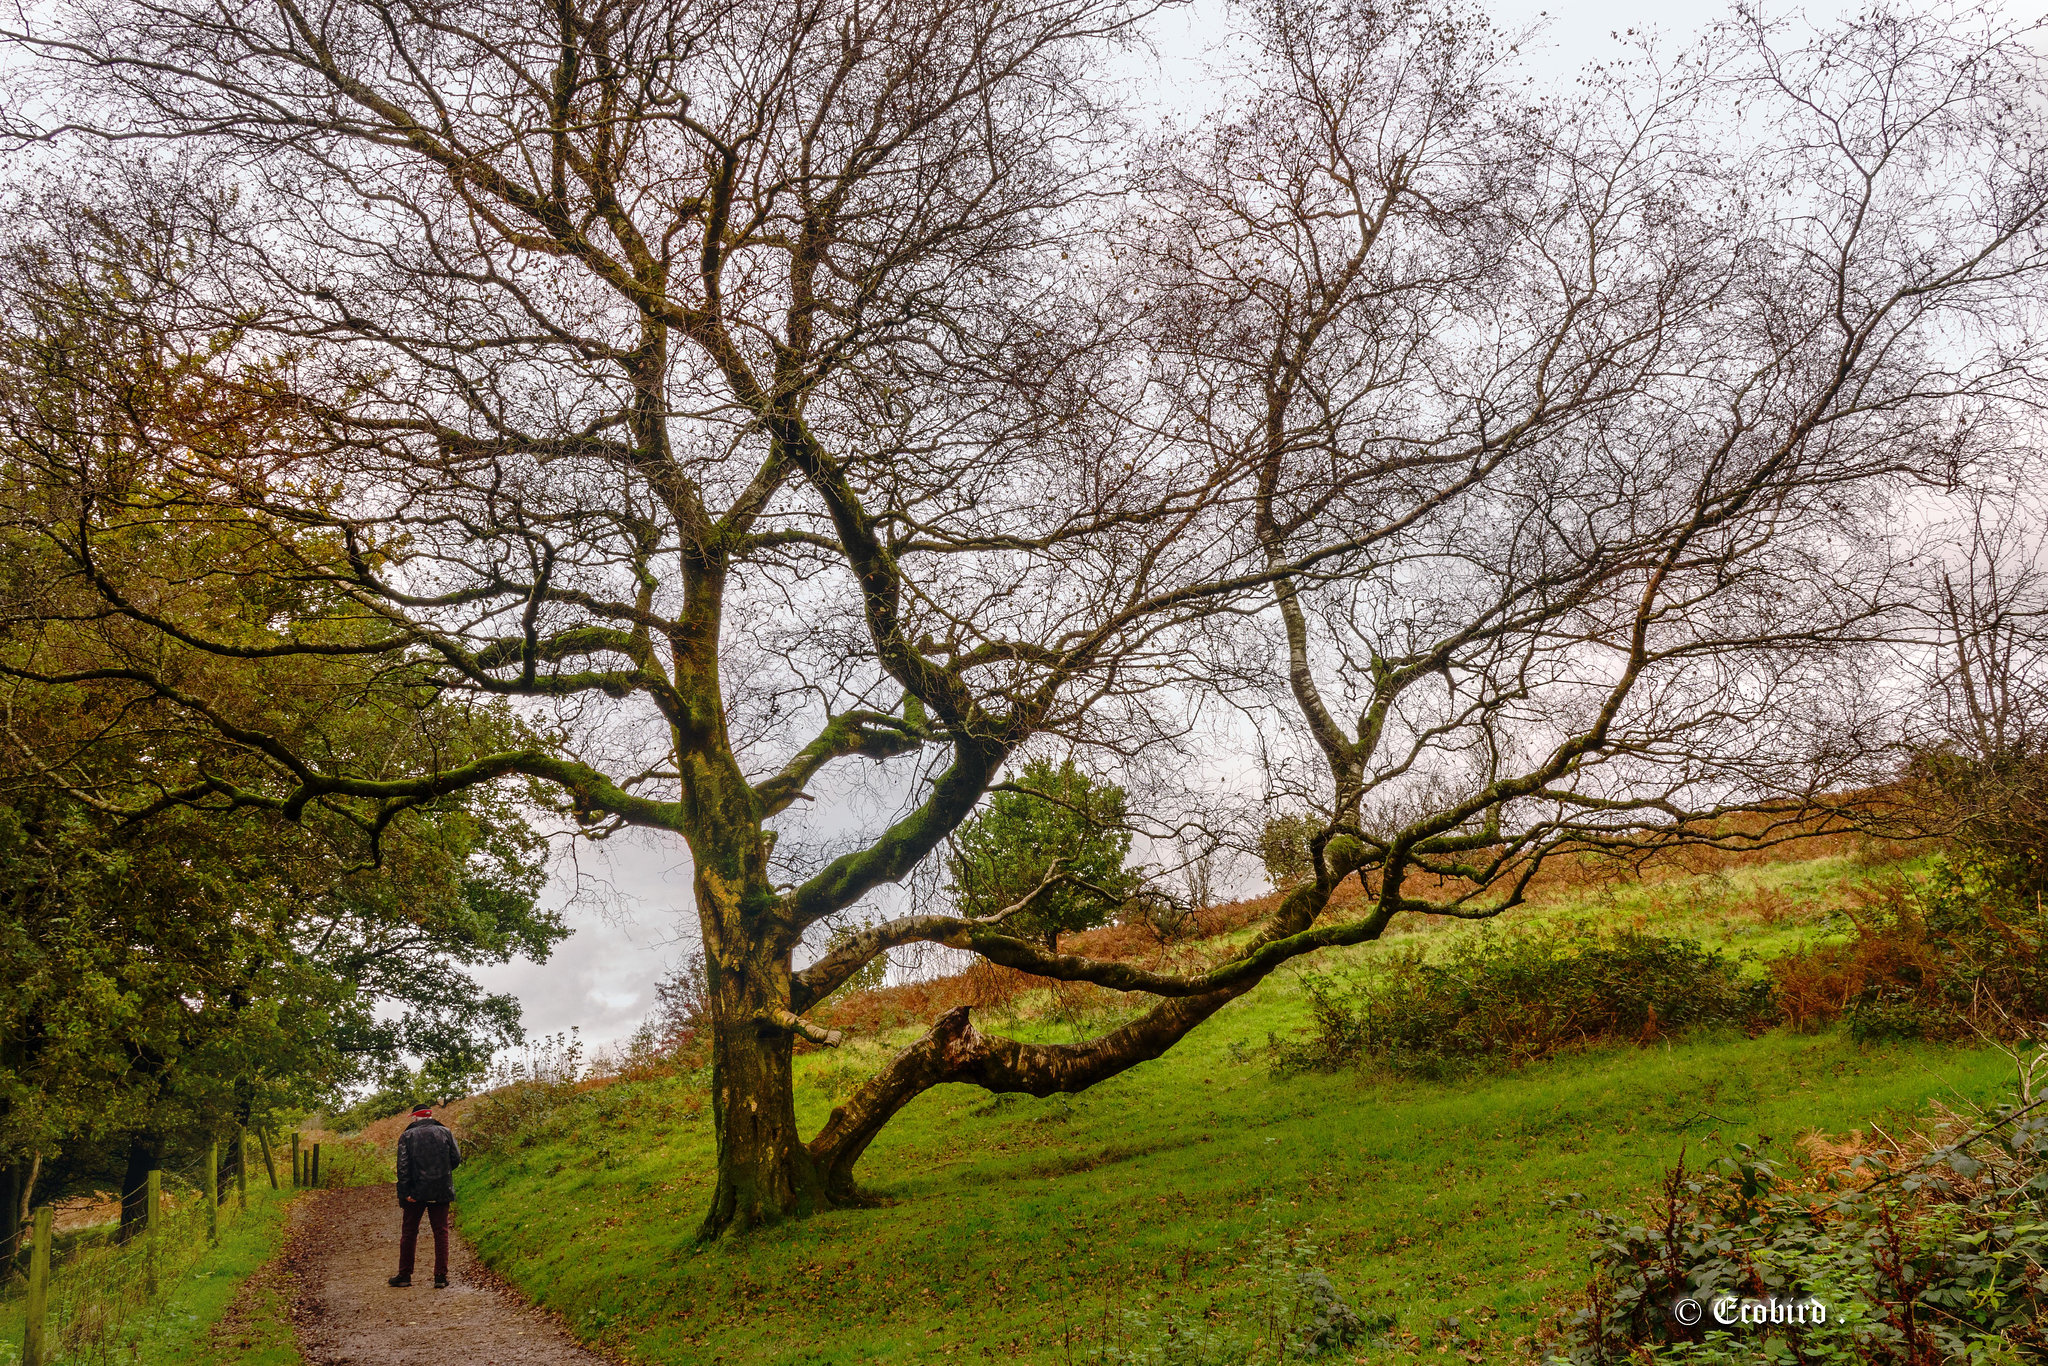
column 424, row 1110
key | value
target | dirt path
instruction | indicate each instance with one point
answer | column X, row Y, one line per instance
column 345, row 1244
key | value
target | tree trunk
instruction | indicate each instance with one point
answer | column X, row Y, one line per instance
column 238, row 1162
column 11, row 1201
column 765, row 1172
column 145, row 1154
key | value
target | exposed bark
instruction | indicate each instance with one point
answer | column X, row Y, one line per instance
column 765, row 1173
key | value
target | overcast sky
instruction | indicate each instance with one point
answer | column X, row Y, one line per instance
column 631, row 897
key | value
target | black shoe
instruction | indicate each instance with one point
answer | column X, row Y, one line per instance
column 399, row 1282
column 440, row 1282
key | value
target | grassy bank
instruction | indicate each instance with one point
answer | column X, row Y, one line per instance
column 225, row 1309
column 1028, row 1229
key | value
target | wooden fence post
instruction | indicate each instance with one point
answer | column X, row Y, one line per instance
column 152, row 1227
column 270, row 1166
column 316, row 1166
column 241, row 1166
column 298, row 1179
column 213, row 1191
column 35, row 1342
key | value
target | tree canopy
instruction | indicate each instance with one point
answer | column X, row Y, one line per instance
column 181, row 958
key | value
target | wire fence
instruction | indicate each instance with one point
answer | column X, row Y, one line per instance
column 105, row 1293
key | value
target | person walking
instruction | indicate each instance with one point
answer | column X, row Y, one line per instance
column 427, row 1159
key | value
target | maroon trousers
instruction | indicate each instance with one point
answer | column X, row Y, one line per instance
column 437, row 1215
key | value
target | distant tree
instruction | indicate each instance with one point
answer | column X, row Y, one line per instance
column 1284, row 847
column 1049, row 847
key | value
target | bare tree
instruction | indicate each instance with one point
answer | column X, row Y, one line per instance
column 1611, row 406
column 698, row 372
column 1569, row 438
column 1973, row 756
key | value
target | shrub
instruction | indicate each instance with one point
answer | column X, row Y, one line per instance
column 1957, row 953
column 1991, row 803
column 1928, row 1253
column 1515, row 998
column 525, row 1093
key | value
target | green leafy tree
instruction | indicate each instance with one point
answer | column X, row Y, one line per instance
column 179, row 956
column 1049, row 850
column 1286, row 847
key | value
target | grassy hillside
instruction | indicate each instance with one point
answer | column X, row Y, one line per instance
column 1037, row 1230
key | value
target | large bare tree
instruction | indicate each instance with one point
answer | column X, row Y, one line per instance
column 1619, row 408
column 760, row 387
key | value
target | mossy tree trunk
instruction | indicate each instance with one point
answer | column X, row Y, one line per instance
column 765, row 1173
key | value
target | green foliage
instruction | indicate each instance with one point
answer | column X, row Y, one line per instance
column 1284, row 847
column 1958, row 949
column 171, row 977
column 1935, row 1257
column 1993, row 806
column 184, row 944
column 1005, row 851
column 1514, row 997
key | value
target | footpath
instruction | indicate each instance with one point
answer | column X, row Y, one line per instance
column 344, row 1245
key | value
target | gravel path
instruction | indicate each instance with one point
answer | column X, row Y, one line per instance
column 344, row 1245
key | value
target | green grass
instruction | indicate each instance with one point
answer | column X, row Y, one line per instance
column 1024, row 1228
column 205, row 1316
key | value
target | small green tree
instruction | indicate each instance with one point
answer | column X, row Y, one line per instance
column 1053, row 844
column 1284, row 843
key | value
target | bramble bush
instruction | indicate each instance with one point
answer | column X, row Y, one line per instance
column 1517, row 997
column 1922, row 1254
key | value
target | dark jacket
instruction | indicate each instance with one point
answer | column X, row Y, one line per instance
column 427, row 1159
